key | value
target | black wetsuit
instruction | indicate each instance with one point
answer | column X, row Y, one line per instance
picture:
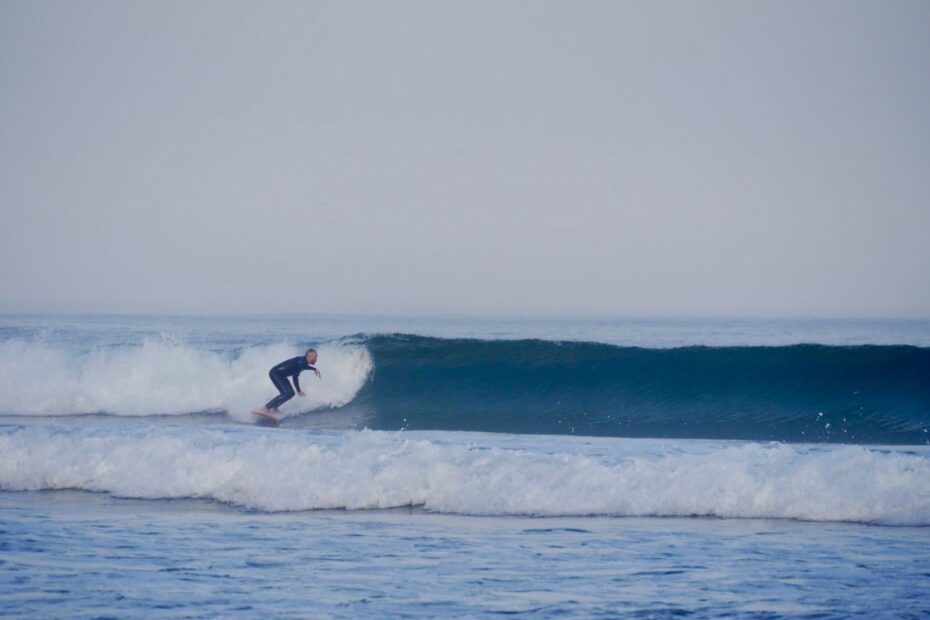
column 279, row 374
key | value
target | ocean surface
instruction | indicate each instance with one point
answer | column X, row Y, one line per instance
column 465, row 467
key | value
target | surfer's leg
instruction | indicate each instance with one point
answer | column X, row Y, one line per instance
column 285, row 389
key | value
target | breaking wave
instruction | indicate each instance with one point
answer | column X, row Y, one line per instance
column 465, row 474
column 806, row 393
column 164, row 378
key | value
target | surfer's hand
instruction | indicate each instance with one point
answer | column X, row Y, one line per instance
column 301, row 392
column 317, row 373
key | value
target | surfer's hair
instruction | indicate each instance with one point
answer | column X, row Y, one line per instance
column 309, row 351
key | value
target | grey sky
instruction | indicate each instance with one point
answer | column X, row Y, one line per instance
column 654, row 158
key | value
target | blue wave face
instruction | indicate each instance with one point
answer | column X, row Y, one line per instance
column 858, row 394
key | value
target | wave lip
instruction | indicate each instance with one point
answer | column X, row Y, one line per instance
column 288, row 471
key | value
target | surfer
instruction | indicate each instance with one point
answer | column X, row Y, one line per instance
column 279, row 376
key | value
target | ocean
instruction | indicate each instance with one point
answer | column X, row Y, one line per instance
column 465, row 467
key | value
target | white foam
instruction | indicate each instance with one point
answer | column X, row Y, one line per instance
column 159, row 377
column 301, row 470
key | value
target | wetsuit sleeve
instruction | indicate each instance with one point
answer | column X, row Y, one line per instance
column 296, row 380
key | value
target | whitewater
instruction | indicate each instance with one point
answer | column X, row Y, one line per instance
column 473, row 474
column 158, row 377
column 464, row 467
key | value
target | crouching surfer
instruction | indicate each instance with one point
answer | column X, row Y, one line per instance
column 279, row 376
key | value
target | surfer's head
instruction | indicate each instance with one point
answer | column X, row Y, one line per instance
column 311, row 356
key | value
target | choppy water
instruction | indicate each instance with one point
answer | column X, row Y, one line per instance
column 133, row 483
column 69, row 554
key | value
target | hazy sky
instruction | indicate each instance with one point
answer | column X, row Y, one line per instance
column 594, row 158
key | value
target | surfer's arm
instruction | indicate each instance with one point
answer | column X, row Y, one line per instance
column 296, row 380
column 315, row 371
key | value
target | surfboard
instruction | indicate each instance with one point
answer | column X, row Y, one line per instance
column 265, row 419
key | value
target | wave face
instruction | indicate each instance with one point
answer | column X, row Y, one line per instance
column 855, row 394
column 303, row 470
